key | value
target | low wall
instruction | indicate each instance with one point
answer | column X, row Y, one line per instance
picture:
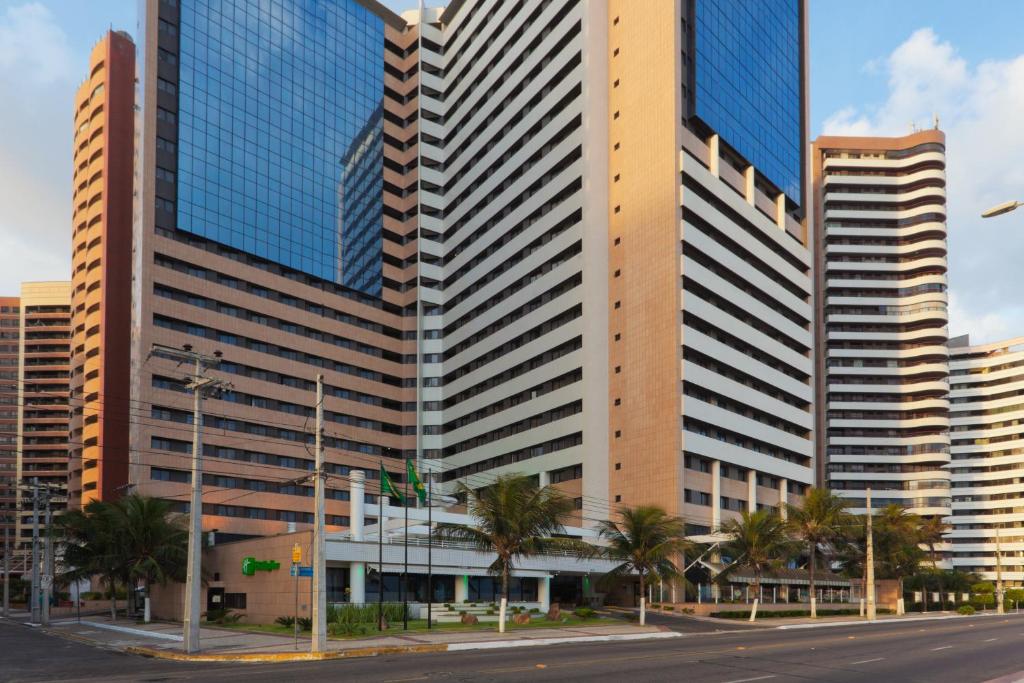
column 705, row 609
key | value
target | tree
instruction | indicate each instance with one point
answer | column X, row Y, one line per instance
column 645, row 540
column 93, row 546
column 897, row 538
column 819, row 521
column 515, row 517
column 135, row 538
column 931, row 532
column 759, row 541
column 155, row 541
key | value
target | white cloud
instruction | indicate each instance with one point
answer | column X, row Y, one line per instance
column 980, row 108
column 33, row 45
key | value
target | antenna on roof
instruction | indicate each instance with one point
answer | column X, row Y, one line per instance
column 935, row 117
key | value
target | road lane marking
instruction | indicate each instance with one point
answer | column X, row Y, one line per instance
column 746, row 680
column 989, row 640
column 944, row 647
column 868, row 661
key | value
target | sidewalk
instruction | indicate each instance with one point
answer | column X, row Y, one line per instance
column 822, row 621
column 164, row 640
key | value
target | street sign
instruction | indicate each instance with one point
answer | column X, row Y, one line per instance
column 296, row 554
column 299, row 570
column 46, row 581
column 250, row 565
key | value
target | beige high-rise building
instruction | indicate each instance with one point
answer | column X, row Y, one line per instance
column 44, row 354
column 883, row 388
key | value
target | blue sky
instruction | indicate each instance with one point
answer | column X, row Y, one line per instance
column 877, row 66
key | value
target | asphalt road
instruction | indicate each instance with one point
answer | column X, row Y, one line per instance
column 957, row 650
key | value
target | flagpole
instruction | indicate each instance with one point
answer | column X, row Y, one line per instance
column 405, row 571
column 380, row 554
column 430, row 541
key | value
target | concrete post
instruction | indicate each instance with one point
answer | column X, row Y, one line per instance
column 543, row 592
column 716, row 495
column 751, row 491
column 713, row 154
column 784, row 496
column 357, row 523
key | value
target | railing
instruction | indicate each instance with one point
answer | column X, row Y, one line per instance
column 446, row 544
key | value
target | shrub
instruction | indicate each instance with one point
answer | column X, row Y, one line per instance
column 346, row 629
column 965, row 609
column 305, row 623
column 463, row 612
column 223, row 616
column 583, row 612
column 287, row 622
column 669, row 608
column 535, row 610
column 490, row 612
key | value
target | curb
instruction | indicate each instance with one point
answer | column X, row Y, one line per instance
column 267, row 657
column 271, row 657
column 892, row 620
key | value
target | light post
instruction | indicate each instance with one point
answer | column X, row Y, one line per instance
column 1000, row 209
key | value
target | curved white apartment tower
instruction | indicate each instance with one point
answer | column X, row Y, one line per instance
column 882, row 330
column 987, row 449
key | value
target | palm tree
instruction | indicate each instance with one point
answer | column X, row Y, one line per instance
column 644, row 540
column 758, row 540
column 515, row 517
column 819, row 522
column 897, row 539
column 931, row 531
column 155, row 541
column 93, row 546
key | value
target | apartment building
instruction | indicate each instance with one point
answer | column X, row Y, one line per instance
column 987, row 458
column 10, row 321
column 44, row 357
column 513, row 236
column 101, row 237
column 884, row 363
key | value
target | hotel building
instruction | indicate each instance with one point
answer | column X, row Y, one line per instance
column 567, row 239
column 987, row 457
column 101, row 273
column 883, row 384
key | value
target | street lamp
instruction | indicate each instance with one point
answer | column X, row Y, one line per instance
column 1000, row 209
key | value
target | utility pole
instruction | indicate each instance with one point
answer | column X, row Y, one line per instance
column 35, row 550
column 48, row 565
column 319, row 641
column 999, row 575
column 869, row 570
column 200, row 385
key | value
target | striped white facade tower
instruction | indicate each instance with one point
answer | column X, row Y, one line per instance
column 987, row 449
column 882, row 334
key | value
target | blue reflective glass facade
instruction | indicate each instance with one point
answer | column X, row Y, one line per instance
column 281, row 133
column 748, row 85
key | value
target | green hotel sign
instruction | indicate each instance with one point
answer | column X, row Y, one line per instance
column 250, row 565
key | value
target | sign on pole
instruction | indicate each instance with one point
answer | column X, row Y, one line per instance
column 296, row 554
column 46, row 581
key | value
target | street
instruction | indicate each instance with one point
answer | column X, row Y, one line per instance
column 958, row 650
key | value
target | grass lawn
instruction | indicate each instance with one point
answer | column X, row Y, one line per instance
column 420, row 626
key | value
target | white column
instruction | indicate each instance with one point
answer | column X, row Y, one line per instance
column 783, row 496
column 713, row 154
column 780, row 211
column 545, row 478
column 716, row 495
column 461, row 589
column 751, row 491
column 357, row 523
column 543, row 592
column 748, row 184
column 357, row 496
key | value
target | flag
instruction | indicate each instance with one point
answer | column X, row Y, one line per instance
column 417, row 485
column 387, row 487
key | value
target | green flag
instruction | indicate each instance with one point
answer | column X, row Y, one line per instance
column 414, row 479
column 387, row 487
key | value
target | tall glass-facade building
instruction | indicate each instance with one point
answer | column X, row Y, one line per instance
column 280, row 147
column 748, row 82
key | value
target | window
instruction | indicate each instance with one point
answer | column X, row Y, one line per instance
column 166, row 86
column 166, row 115
column 234, row 601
